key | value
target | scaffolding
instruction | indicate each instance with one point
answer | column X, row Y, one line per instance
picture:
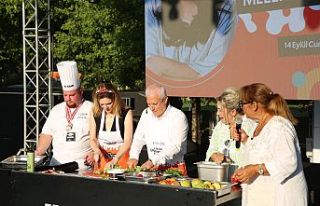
column 36, row 68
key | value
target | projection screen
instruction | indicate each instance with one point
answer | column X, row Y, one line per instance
column 197, row 48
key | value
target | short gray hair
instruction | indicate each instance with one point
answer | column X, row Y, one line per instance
column 156, row 89
column 230, row 98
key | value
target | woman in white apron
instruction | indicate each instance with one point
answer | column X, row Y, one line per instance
column 111, row 128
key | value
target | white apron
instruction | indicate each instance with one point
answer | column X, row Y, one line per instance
column 159, row 135
column 109, row 140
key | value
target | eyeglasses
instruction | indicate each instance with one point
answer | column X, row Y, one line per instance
column 241, row 103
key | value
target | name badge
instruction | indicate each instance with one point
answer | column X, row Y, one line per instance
column 71, row 137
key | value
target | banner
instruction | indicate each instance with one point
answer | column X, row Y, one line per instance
column 197, row 48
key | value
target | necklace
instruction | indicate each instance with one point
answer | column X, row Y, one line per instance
column 260, row 125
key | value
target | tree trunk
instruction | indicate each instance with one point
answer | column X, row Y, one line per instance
column 195, row 120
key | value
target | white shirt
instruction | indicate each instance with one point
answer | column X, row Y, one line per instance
column 221, row 134
column 55, row 126
column 164, row 136
column 276, row 146
column 221, row 141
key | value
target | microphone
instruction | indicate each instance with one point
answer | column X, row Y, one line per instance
column 238, row 128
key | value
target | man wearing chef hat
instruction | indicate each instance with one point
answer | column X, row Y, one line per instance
column 163, row 129
column 67, row 126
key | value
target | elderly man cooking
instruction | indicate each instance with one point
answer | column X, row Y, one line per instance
column 163, row 129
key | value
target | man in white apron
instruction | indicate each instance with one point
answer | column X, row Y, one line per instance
column 163, row 129
column 67, row 126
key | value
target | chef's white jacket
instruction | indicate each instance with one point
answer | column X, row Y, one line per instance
column 164, row 136
column 64, row 151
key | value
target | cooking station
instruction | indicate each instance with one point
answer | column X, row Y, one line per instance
column 23, row 188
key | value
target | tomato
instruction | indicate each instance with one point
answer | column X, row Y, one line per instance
column 235, row 179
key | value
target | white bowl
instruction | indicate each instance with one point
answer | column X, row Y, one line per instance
column 116, row 171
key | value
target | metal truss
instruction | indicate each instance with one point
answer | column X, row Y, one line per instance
column 36, row 68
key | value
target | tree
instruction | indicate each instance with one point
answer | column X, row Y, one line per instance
column 105, row 39
column 11, row 66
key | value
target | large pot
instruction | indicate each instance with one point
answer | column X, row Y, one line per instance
column 215, row 172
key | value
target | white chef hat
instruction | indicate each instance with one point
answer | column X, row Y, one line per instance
column 68, row 72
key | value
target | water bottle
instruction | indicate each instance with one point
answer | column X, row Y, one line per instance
column 30, row 161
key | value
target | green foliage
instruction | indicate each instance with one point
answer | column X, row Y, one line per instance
column 105, row 39
column 10, row 42
column 208, row 104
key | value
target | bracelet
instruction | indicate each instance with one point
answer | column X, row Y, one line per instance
column 260, row 169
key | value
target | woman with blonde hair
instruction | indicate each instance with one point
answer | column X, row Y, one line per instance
column 111, row 128
column 222, row 146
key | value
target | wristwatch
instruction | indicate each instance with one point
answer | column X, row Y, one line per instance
column 260, row 169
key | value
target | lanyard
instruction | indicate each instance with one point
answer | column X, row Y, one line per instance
column 70, row 115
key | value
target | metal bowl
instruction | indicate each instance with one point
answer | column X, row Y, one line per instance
column 213, row 171
column 113, row 173
column 144, row 174
column 149, row 173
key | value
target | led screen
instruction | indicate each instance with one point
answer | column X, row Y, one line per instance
column 198, row 48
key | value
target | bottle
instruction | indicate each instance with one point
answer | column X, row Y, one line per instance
column 30, row 160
